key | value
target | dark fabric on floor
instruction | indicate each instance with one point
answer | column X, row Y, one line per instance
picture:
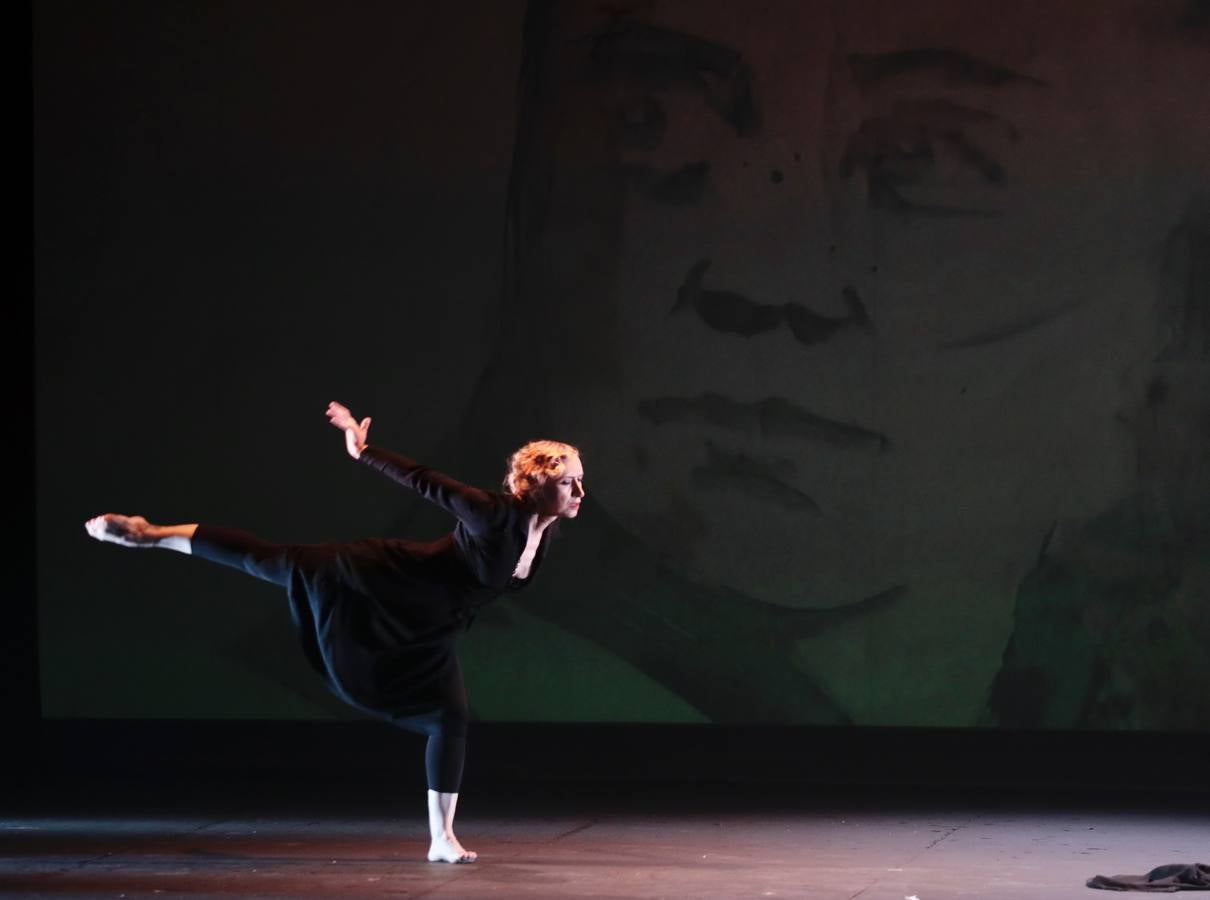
column 1161, row 879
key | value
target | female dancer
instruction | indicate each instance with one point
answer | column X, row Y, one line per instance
column 378, row 617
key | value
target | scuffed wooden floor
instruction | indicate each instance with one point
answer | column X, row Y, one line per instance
column 298, row 839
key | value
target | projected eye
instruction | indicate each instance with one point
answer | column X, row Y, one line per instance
column 932, row 156
column 658, row 58
column 679, row 187
column 640, row 125
column 643, row 62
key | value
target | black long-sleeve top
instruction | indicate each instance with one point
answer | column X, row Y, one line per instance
column 492, row 528
column 378, row 617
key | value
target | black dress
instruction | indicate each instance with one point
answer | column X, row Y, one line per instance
column 378, row 617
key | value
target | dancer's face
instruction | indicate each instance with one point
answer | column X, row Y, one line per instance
column 991, row 207
column 560, row 495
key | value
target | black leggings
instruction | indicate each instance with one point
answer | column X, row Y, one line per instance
column 445, row 725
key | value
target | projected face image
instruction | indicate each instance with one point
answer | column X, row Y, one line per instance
column 880, row 295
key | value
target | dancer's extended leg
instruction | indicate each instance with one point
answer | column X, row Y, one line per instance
column 135, row 531
column 228, row 546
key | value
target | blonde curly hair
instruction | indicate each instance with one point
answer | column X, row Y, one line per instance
column 530, row 466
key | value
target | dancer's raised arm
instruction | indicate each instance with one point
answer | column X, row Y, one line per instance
column 476, row 508
column 355, row 432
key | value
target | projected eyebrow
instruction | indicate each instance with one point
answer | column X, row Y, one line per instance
column 952, row 65
column 772, row 417
column 732, row 313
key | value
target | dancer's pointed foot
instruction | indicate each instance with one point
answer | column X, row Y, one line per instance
column 447, row 849
column 129, row 531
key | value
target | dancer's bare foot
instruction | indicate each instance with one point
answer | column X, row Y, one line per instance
column 135, row 531
column 129, row 531
column 447, row 849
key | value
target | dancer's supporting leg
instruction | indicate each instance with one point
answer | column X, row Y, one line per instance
column 444, row 846
column 443, row 761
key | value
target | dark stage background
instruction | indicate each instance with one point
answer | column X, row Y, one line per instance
column 884, row 330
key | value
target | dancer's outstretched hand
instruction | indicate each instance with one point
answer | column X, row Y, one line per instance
column 355, row 432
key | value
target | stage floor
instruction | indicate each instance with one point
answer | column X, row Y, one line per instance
column 294, row 838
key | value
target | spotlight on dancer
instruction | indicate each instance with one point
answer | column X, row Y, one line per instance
column 379, row 618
